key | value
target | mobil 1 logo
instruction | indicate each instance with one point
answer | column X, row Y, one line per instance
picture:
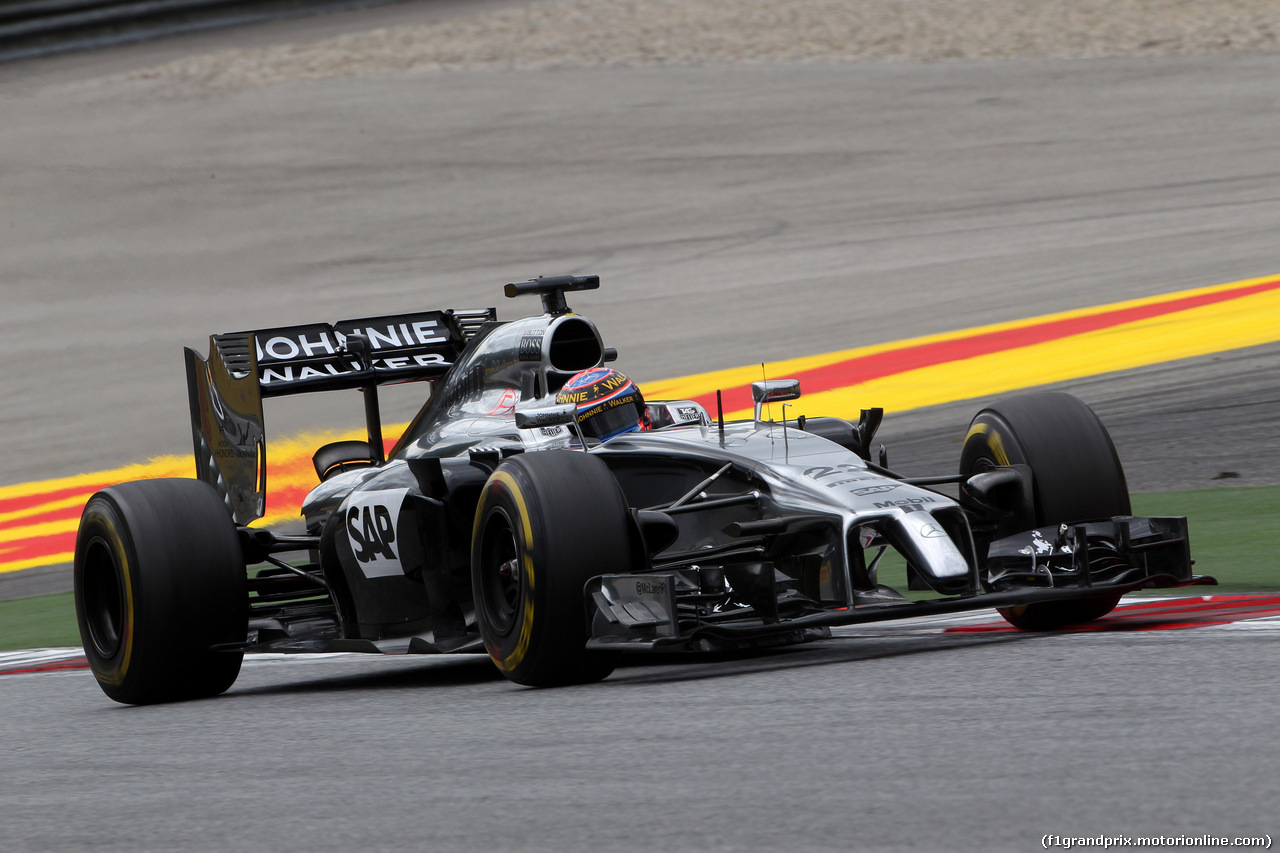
column 371, row 528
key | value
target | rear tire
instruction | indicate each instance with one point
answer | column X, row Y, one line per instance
column 1076, row 476
column 159, row 582
column 546, row 523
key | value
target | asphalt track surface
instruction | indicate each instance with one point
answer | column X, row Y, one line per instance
column 884, row 739
column 735, row 215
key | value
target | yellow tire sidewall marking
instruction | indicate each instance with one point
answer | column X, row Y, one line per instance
column 994, row 442
column 510, row 661
column 116, row 677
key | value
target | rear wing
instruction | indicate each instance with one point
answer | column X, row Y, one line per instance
column 226, row 389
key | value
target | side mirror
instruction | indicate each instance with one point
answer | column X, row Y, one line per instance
column 774, row 391
column 546, row 416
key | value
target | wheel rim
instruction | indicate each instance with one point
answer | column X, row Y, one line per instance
column 501, row 576
column 103, row 599
column 983, row 464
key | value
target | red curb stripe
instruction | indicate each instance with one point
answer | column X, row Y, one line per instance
column 65, row 514
column 8, row 505
column 1172, row 626
column 79, row 663
column 287, row 498
column 1192, row 600
column 879, row 365
column 1157, row 615
column 38, row 546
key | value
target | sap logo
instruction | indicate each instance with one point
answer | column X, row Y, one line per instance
column 372, row 532
column 905, row 503
column 371, row 529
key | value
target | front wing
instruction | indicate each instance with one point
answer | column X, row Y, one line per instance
column 659, row 612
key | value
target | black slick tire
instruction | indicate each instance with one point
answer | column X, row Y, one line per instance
column 545, row 524
column 1076, row 476
column 160, row 591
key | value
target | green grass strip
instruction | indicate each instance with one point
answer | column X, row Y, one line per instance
column 40, row 621
column 1234, row 537
column 1234, row 533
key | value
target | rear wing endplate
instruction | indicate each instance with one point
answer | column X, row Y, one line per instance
column 226, row 389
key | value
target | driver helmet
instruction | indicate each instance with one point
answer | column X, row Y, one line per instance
column 608, row 402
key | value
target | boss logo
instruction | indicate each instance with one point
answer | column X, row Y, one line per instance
column 531, row 348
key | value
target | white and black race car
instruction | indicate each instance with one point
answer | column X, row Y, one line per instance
column 498, row 523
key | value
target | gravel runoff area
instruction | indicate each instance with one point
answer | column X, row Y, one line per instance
column 574, row 33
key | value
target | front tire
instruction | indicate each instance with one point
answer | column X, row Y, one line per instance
column 159, row 584
column 1076, row 476
column 546, row 523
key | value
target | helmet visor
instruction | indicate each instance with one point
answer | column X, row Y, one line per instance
column 613, row 417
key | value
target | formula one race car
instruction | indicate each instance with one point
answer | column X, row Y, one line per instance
column 539, row 510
